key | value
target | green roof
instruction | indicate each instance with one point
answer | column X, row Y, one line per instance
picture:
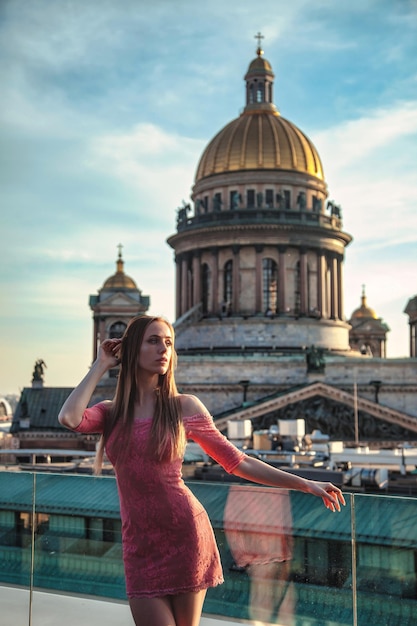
column 41, row 407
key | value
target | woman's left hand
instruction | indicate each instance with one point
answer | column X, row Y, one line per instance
column 330, row 494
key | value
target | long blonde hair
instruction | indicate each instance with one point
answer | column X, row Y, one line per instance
column 167, row 437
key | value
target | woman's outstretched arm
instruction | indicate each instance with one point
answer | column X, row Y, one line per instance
column 259, row 472
column 74, row 406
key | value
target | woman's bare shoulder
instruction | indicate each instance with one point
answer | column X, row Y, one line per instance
column 107, row 404
column 191, row 405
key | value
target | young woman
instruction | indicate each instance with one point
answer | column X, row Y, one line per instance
column 169, row 551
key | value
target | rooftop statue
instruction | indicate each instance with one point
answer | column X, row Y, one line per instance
column 38, row 370
column 315, row 359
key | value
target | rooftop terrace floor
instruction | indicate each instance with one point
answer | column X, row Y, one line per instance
column 49, row 609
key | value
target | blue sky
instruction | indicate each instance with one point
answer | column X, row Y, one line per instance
column 105, row 110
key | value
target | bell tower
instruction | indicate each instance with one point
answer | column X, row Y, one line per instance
column 118, row 300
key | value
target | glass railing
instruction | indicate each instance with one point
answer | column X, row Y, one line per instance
column 286, row 559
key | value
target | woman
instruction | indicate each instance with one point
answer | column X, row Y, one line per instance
column 169, row 551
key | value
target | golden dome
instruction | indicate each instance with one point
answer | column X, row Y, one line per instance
column 260, row 140
column 119, row 280
column 364, row 311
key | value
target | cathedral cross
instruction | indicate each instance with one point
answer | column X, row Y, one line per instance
column 259, row 37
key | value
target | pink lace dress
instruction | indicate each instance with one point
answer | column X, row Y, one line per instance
column 168, row 542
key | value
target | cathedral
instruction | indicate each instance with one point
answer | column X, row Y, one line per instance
column 261, row 331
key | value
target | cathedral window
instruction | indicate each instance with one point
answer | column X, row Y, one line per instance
column 287, row 199
column 205, row 287
column 228, row 286
column 234, row 200
column 269, row 198
column 116, row 330
column 270, row 286
column 250, row 198
column 217, row 202
column 251, row 90
column 260, row 92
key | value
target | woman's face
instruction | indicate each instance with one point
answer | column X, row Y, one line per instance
column 156, row 349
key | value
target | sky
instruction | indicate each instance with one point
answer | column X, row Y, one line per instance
column 106, row 107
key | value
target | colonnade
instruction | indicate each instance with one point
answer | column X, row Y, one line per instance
column 318, row 290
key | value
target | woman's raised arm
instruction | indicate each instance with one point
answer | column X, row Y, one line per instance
column 74, row 406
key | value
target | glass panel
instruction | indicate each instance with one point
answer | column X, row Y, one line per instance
column 386, row 560
column 15, row 543
column 285, row 557
column 78, row 535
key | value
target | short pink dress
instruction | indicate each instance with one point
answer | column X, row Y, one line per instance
column 168, row 542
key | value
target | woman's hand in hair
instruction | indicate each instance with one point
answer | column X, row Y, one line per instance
column 109, row 353
column 74, row 406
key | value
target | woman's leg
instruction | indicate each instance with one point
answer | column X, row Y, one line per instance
column 187, row 607
column 269, row 597
column 152, row 611
column 183, row 609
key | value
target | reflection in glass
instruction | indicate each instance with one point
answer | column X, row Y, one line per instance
column 258, row 529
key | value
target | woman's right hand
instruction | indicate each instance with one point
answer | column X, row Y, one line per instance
column 74, row 406
column 109, row 352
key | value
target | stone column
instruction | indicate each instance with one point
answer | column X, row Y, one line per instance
column 184, row 284
column 303, row 281
column 321, row 283
column 340, row 303
column 95, row 331
column 333, row 287
column 178, row 284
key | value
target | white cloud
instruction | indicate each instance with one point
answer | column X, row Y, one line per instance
column 352, row 142
column 158, row 164
column 367, row 165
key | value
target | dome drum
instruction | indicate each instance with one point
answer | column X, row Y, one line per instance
column 264, row 182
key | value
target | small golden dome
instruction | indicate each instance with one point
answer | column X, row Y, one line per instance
column 364, row 311
column 260, row 140
column 259, row 65
column 119, row 280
